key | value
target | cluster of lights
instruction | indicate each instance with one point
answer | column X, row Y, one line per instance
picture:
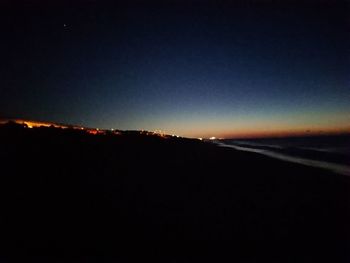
column 96, row 131
column 32, row 124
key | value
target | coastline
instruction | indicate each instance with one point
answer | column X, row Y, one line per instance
column 336, row 168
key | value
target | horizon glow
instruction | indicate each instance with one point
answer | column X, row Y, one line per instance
column 195, row 70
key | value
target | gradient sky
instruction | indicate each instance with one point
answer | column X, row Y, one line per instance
column 192, row 68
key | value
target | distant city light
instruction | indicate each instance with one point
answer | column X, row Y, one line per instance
column 212, row 138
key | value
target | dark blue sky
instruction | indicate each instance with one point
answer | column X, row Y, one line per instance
column 194, row 68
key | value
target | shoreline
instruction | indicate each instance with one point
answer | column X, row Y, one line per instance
column 333, row 167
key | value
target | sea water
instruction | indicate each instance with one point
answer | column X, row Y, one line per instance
column 328, row 152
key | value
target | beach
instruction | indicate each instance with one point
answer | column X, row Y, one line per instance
column 132, row 197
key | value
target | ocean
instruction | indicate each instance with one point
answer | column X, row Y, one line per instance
column 327, row 152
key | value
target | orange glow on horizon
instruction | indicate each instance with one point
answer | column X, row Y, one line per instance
column 260, row 132
column 283, row 133
column 243, row 130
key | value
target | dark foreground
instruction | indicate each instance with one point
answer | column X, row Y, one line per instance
column 67, row 196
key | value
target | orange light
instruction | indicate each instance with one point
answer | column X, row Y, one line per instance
column 94, row 132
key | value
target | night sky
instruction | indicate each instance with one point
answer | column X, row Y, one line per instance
column 192, row 68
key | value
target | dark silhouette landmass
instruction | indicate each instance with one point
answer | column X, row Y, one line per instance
column 70, row 196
